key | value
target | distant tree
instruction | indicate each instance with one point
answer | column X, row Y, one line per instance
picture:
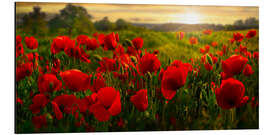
column 121, row 24
column 104, row 24
column 252, row 21
column 34, row 22
column 239, row 23
column 74, row 19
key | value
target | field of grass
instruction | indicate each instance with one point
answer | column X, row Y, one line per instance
column 193, row 107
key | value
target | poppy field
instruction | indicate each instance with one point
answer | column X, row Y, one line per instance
column 144, row 81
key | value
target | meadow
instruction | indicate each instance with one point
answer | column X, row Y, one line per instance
column 137, row 81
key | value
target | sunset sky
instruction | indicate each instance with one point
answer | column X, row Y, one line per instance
column 154, row 13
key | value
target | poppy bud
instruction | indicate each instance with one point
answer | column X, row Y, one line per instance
column 134, row 59
column 127, row 42
column 97, row 57
column 209, row 59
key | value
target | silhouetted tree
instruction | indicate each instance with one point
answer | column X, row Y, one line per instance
column 104, row 24
column 121, row 24
column 34, row 22
column 72, row 19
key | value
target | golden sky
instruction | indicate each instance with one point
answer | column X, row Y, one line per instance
column 154, row 13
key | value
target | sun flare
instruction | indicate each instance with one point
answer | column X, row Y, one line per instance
column 189, row 18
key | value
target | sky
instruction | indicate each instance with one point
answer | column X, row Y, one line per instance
column 154, row 13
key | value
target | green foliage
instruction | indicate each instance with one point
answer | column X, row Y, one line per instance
column 72, row 20
column 34, row 23
column 104, row 25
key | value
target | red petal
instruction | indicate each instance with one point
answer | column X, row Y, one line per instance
column 116, row 106
column 100, row 112
column 107, row 95
column 168, row 94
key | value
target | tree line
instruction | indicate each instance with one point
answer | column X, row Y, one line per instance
column 72, row 20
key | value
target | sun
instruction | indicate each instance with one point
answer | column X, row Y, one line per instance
column 190, row 17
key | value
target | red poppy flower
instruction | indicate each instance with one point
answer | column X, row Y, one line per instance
column 19, row 49
column 182, row 34
column 125, row 61
column 91, row 99
column 232, row 40
column 224, row 49
column 110, row 42
column 131, row 51
column 56, row 66
column 107, row 64
column 238, row 37
column 68, row 101
column 39, row 102
column 180, row 64
column 247, row 54
column 76, row 80
column 18, row 39
column 251, row 34
column 95, row 35
column 202, row 51
column 220, row 53
column 82, row 39
column 253, row 102
column 230, row 94
column 120, row 123
column 120, row 50
column 173, row 79
column 108, row 103
column 137, row 43
column 84, row 57
column 207, row 32
column 39, row 121
column 193, row 40
column 256, row 55
column 140, row 100
column 92, row 44
column 120, row 76
column 73, row 51
column 242, row 49
column 234, row 65
column 56, row 110
column 160, row 75
column 214, row 59
column 24, row 70
column 48, row 83
column 149, row 63
column 117, row 37
column 32, row 56
column 83, row 104
column 19, row 100
column 98, row 82
column 31, row 42
column 205, row 49
column 214, row 44
column 248, row 70
column 225, row 76
column 208, row 66
column 101, row 38
column 59, row 43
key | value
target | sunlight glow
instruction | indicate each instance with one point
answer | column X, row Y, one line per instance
column 189, row 18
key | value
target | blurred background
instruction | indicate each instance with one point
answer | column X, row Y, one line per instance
column 40, row 19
